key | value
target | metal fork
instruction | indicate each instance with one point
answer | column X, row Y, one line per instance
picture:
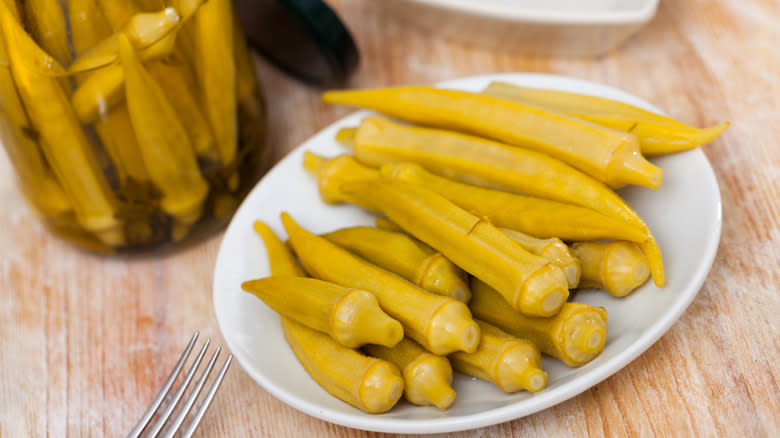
column 177, row 422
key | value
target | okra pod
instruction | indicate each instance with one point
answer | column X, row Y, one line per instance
column 163, row 142
column 143, row 29
column 427, row 377
column 406, row 257
column 552, row 249
column 350, row 316
column 657, row 134
column 104, row 88
column 332, row 173
column 538, row 217
column 87, row 26
column 216, row 73
column 575, row 335
column 118, row 12
column 63, row 142
column 441, row 324
column 37, row 180
column 172, row 80
column 369, row 384
column 619, row 267
column 607, row 155
column 530, row 283
column 508, row 362
column 280, row 258
column 489, row 164
column 46, row 23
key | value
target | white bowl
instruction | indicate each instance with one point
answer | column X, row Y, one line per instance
column 541, row 27
column 684, row 214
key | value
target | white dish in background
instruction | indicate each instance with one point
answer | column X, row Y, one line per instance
column 685, row 215
column 540, row 27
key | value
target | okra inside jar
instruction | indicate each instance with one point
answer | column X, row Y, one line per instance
column 130, row 124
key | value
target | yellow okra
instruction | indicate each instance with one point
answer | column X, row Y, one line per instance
column 406, row 257
column 575, row 335
column 352, row 317
column 552, row 249
column 441, row 324
column 143, row 29
column 104, row 88
column 37, row 180
column 280, row 259
column 118, row 12
column 63, row 142
column 88, row 27
column 369, row 384
column 538, row 217
column 619, row 267
column 427, row 377
column 163, row 141
column 607, row 155
column 489, row 164
column 216, row 72
column 657, row 134
column 508, row 362
column 332, row 173
column 172, row 80
column 46, row 23
column 530, row 283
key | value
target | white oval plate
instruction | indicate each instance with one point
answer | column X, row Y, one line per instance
column 685, row 215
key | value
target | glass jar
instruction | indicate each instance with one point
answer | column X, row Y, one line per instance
column 131, row 124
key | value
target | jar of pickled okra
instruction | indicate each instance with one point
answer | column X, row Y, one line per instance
column 131, row 124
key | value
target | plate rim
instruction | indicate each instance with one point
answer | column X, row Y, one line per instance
column 545, row 399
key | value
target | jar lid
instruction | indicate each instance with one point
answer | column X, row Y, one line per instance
column 305, row 38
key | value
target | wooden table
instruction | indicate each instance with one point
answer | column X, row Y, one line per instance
column 86, row 341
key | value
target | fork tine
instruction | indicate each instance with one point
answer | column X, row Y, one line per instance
column 144, row 421
column 185, row 409
column 207, row 400
column 179, row 392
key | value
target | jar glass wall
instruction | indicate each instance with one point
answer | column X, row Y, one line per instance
column 131, row 124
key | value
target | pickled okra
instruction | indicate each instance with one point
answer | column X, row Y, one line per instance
column 63, row 142
column 104, row 88
column 657, row 134
column 143, row 29
column 607, row 155
column 552, row 249
column 280, row 259
column 530, row 283
column 618, row 266
column 489, row 164
column 88, row 27
column 216, row 73
column 406, row 257
column 46, row 22
column 164, row 144
column 427, row 377
column 332, row 173
column 508, row 362
column 37, row 180
column 352, row 317
column 537, row 217
column 442, row 325
column 575, row 335
column 369, row 384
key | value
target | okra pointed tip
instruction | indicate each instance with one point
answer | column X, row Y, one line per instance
column 630, row 167
column 346, row 137
column 313, row 163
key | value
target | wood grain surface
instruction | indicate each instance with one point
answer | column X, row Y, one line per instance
column 85, row 341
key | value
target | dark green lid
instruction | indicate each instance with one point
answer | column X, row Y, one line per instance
column 302, row 37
